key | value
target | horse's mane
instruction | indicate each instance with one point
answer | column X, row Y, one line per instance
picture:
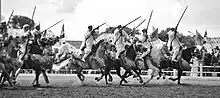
column 186, row 55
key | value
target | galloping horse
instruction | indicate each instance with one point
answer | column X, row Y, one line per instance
column 12, row 48
column 158, row 52
column 38, row 62
column 127, row 59
column 184, row 62
column 93, row 61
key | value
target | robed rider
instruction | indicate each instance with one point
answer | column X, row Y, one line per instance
column 88, row 42
column 174, row 44
column 120, row 37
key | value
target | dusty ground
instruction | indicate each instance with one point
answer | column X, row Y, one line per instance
column 70, row 87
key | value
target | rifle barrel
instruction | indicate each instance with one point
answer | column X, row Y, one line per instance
column 10, row 17
column 149, row 19
column 140, row 24
column 131, row 21
column 32, row 17
column 52, row 25
column 181, row 17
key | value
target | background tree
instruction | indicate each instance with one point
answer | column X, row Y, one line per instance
column 17, row 21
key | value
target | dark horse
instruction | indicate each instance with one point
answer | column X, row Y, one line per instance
column 183, row 64
column 127, row 58
column 112, row 63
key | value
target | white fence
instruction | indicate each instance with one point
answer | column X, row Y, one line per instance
column 198, row 70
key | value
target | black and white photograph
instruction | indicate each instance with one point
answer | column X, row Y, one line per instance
column 109, row 49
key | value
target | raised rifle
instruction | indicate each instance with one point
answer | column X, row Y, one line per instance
column 130, row 22
column 120, row 30
column 149, row 20
column 10, row 17
column 140, row 24
column 92, row 33
column 99, row 26
column 52, row 26
column 148, row 26
column 175, row 29
column 32, row 18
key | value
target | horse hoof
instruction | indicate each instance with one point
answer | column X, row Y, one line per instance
column 14, row 82
column 158, row 78
column 97, row 79
column 110, row 80
column 141, row 81
column 47, row 82
column 121, row 82
column 164, row 77
column 36, row 85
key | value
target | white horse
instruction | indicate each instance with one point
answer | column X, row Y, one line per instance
column 158, row 52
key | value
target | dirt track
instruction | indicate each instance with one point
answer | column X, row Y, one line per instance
column 70, row 86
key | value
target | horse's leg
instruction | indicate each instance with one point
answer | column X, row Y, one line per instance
column 141, row 80
column 129, row 73
column 160, row 74
column 151, row 77
column 103, row 73
column 3, row 78
column 45, row 76
column 179, row 75
column 2, row 66
column 110, row 76
column 139, row 71
column 80, row 75
column 37, row 74
column 17, row 72
column 124, row 76
column 118, row 72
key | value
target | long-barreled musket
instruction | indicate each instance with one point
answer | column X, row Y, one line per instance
column 92, row 32
column 32, row 18
column 175, row 29
column 99, row 26
column 52, row 26
column 140, row 24
column 126, row 26
column 130, row 22
column 149, row 20
column 10, row 17
column 148, row 26
column 181, row 18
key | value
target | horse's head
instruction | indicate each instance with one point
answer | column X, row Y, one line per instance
column 188, row 53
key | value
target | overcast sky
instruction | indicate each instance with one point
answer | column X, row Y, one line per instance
column 78, row 14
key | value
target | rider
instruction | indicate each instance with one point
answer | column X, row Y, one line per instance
column 26, row 29
column 174, row 45
column 89, row 40
column 120, row 37
column 146, row 43
column 36, row 45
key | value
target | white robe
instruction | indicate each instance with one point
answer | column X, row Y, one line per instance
column 119, row 41
column 88, row 41
column 174, row 41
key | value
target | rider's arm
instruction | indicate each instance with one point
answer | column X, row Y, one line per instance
column 115, row 35
column 125, row 34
